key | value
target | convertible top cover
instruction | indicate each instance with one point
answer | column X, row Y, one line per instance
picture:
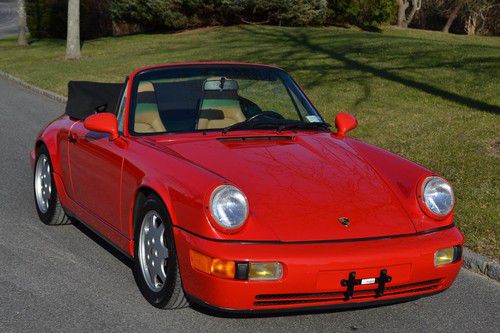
column 86, row 98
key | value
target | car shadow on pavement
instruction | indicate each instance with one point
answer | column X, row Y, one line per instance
column 102, row 242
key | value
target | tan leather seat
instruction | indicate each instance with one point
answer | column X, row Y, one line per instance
column 219, row 114
column 147, row 117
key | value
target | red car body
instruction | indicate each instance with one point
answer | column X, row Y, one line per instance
column 297, row 187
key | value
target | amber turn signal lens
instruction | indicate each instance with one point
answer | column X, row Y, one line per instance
column 200, row 262
column 213, row 266
column 447, row 255
column 222, row 268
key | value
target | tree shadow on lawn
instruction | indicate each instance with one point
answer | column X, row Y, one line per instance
column 301, row 40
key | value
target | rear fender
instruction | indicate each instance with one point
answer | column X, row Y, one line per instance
column 53, row 136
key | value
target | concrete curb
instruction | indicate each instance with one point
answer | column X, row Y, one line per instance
column 481, row 264
column 472, row 260
column 47, row 93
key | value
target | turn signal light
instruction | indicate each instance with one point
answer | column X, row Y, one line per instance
column 255, row 271
column 213, row 266
column 447, row 255
column 222, row 268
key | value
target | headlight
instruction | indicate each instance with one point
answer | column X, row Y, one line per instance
column 229, row 207
column 437, row 196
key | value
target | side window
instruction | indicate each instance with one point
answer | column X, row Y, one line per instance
column 303, row 112
column 121, row 109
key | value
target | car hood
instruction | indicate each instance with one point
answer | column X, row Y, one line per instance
column 303, row 187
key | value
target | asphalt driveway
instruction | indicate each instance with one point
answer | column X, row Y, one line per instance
column 66, row 279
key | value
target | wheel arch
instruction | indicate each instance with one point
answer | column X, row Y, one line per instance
column 48, row 139
column 38, row 144
column 142, row 192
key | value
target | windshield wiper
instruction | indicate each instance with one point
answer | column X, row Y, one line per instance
column 303, row 125
column 279, row 125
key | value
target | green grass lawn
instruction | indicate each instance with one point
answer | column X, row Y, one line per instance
column 431, row 97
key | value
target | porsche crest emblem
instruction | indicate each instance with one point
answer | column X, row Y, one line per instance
column 344, row 221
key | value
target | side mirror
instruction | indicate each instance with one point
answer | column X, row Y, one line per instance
column 344, row 122
column 103, row 122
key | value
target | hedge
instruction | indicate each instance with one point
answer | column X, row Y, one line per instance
column 47, row 18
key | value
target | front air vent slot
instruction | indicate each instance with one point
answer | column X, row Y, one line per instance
column 336, row 296
column 258, row 138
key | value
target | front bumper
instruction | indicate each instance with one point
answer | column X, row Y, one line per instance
column 313, row 272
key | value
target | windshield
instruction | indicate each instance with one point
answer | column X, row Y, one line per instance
column 217, row 97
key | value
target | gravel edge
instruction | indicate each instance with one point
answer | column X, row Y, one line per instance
column 472, row 261
column 480, row 264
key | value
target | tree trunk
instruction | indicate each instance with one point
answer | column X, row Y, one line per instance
column 415, row 6
column 453, row 15
column 73, row 33
column 22, row 38
column 402, row 6
column 470, row 25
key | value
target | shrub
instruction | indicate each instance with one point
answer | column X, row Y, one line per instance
column 281, row 12
column 172, row 14
column 363, row 13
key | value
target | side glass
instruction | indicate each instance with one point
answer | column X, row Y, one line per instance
column 121, row 109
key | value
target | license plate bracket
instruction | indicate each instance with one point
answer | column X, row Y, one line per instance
column 352, row 281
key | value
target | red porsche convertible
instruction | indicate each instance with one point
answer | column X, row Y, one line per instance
column 226, row 188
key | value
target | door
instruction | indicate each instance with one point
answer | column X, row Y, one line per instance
column 95, row 167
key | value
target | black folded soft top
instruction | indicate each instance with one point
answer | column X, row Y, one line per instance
column 86, row 98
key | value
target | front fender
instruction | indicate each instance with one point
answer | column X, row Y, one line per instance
column 181, row 185
column 402, row 176
column 184, row 187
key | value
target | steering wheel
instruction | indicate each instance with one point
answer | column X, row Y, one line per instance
column 269, row 114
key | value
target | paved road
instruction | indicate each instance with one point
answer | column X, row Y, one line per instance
column 8, row 17
column 64, row 278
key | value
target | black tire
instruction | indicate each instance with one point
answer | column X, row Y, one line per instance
column 171, row 295
column 54, row 214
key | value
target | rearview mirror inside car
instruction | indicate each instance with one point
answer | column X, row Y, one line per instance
column 221, row 84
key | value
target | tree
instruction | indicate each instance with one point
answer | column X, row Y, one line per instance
column 453, row 14
column 73, row 33
column 403, row 20
column 477, row 15
column 22, row 38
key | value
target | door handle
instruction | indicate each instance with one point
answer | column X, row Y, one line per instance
column 72, row 137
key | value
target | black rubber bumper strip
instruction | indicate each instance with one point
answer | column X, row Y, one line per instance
column 316, row 241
